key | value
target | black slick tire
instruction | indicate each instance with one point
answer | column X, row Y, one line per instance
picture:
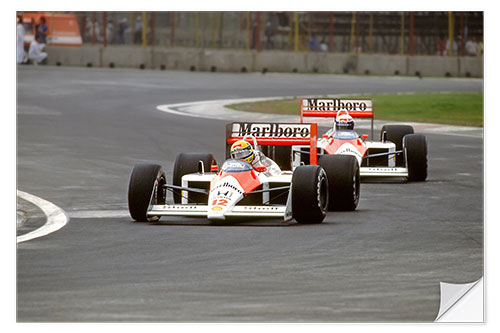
column 415, row 146
column 395, row 134
column 309, row 194
column 146, row 184
column 187, row 163
column 343, row 181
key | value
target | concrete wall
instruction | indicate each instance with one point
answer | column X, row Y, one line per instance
column 230, row 60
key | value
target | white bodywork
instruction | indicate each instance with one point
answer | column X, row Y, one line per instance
column 223, row 199
column 365, row 171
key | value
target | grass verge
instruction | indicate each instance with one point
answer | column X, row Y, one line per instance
column 465, row 109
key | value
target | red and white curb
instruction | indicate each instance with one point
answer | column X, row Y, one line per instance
column 56, row 217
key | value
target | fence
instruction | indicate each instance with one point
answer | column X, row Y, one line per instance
column 404, row 33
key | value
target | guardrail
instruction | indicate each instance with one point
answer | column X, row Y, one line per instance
column 270, row 61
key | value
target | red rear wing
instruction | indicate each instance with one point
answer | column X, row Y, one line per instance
column 330, row 107
column 276, row 134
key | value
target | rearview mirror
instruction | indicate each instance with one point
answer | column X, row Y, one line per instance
column 260, row 168
column 364, row 136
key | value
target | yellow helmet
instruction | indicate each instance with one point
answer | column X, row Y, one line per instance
column 242, row 150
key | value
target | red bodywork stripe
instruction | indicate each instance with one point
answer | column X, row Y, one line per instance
column 334, row 145
column 247, row 179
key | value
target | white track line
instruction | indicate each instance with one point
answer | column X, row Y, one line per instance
column 56, row 217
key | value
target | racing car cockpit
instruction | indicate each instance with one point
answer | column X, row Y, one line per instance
column 245, row 151
column 343, row 128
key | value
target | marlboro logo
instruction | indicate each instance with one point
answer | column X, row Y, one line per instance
column 271, row 130
column 332, row 104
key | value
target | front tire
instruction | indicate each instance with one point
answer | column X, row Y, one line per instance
column 187, row 163
column 343, row 181
column 145, row 187
column 309, row 194
column 395, row 134
column 415, row 146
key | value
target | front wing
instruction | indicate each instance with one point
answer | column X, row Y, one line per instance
column 383, row 172
column 202, row 211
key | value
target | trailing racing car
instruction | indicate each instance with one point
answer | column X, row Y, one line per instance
column 241, row 187
column 399, row 153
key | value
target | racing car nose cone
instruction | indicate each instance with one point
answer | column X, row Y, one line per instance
column 216, row 213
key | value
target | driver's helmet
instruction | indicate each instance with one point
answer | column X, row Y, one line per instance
column 242, row 150
column 344, row 122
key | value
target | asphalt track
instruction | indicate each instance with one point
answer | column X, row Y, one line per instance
column 81, row 130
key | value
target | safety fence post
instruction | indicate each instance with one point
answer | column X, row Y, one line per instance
column 93, row 27
column 132, row 28
column 296, row 31
column 249, row 30
column 370, row 34
column 412, row 32
column 351, row 39
column 197, row 27
column 257, row 31
column 330, row 32
column 402, row 38
column 152, row 29
column 357, row 33
column 450, row 34
column 144, row 41
column 104, row 29
column 172, row 29
column 462, row 31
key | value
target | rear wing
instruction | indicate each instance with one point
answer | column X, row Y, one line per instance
column 330, row 107
column 275, row 134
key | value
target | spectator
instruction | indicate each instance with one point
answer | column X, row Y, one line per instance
column 313, row 43
column 454, row 48
column 109, row 31
column 94, row 31
column 122, row 27
column 138, row 31
column 480, row 48
column 471, row 47
column 43, row 30
column 269, row 35
column 20, row 39
column 441, row 45
column 322, row 46
column 35, row 53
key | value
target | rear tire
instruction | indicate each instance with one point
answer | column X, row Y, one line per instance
column 146, row 184
column 309, row 194
column 343, row 181
column 415, row 146
column 395, row 134
column 187, row 163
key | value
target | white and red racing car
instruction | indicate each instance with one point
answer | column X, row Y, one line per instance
column 239, row 189
column 399, row 153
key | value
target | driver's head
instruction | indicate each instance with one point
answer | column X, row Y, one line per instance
column 242, row 150
column 344, row 122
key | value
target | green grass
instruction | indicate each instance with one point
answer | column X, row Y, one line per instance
column 464, row 109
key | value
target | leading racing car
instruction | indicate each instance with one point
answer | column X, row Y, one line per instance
column 242, row 188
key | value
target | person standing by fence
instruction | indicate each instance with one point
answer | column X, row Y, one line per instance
column 20, row 39
column 42, row 30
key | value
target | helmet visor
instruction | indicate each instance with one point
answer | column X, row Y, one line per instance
column 240, row 154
